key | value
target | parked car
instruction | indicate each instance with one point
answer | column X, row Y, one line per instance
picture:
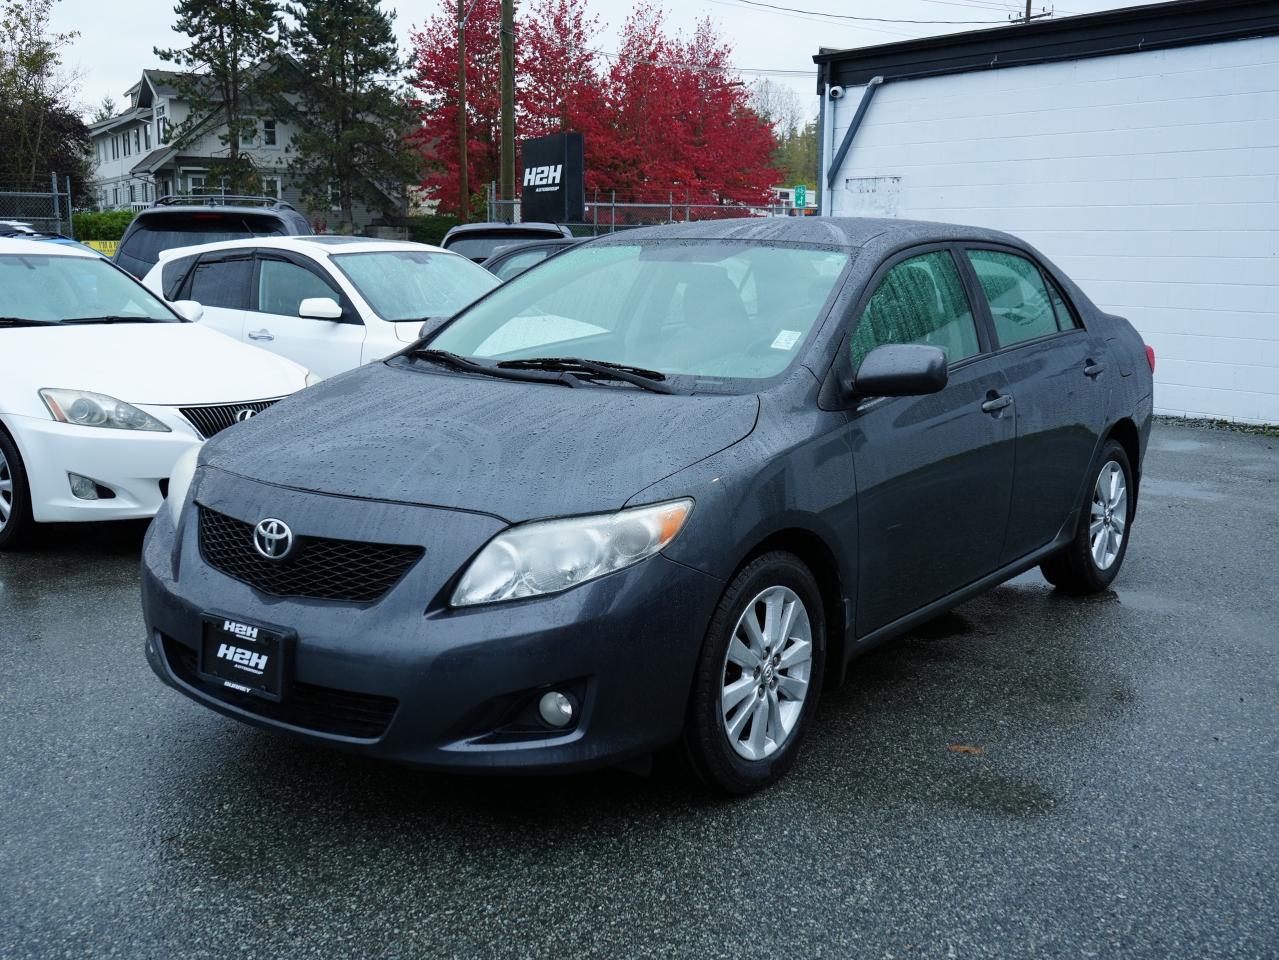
column 511, row 261
column 103, row 387
column 329, row 303
column 17, row 229
column 788, row 440
column 479, row 241
column 186, row 221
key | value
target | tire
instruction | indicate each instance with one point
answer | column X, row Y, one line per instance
column 751, row 757
column 1088, row 564
column 15, row 497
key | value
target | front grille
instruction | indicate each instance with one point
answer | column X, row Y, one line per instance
column 318, row 568
column 213, row 420
column 323, row 709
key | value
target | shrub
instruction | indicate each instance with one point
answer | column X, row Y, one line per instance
column 101, row 224
column 429, row 228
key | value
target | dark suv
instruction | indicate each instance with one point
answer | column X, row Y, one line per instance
column 186, row 221
column 479, row 241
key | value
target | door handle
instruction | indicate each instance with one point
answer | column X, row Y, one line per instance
column 997, row 403
column 262, row 334
column 1093, row 369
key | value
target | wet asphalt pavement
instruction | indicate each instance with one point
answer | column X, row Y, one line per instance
column 1125, row 804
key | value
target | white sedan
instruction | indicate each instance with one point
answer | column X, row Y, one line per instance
column 103, row 387
column 330, row 303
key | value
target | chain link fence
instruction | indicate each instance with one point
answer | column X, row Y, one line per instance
column 44, row 206
column 608, row 213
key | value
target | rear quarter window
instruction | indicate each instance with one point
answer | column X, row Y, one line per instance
column 174, row 272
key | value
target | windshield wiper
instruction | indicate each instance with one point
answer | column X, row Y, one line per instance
column 595, row 369
column 26, row 322
column 470, row 365
column 112, row 318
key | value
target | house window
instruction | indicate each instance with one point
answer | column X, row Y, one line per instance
column 268, row 132
column 125, row 138
column 132, row 194
column 115, row 148
column 146, row 136
column 272, row 187
column 137, row 140
column 115, row 196
column 196, row 183
column 161, row 124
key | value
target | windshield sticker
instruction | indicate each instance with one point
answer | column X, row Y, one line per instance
column 786, row 340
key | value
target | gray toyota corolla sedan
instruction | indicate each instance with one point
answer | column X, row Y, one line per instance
column 655, row 492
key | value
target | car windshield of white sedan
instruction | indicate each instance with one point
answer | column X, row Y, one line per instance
column 54, row 289
column 702, row 308
column 404, row 285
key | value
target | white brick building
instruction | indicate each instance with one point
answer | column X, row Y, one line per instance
column 1138, row 148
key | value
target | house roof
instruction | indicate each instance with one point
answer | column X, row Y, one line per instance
column 1129, row 30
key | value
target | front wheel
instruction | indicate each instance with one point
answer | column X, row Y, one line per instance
column 15, row 496
column 758, row 676
column 1090, row 563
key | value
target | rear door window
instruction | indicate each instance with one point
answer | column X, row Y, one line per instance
column 1014, row 288
column 224, row 283
column 920, row 300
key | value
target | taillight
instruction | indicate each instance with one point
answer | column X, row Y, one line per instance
column 1150, row 357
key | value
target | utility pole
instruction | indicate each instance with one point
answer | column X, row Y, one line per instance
column 1030, row 14
column 464, row 187
column 508, row 100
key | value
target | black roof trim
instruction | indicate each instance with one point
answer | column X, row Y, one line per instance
column 1154, row 26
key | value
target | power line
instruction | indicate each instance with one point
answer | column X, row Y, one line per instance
column 855, row 17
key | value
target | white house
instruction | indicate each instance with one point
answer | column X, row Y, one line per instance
column 135, row 161
column 1138, row 148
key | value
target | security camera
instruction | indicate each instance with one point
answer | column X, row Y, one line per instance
column 835, row 92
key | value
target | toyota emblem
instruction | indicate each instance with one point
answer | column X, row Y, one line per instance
column 273, row 539
column 248, row 413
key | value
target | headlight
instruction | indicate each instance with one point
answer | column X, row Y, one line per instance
column 551, row 555
column 312, row 378
column 180, row 483
column 87, row 409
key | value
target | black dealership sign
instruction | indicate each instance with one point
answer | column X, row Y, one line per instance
column 553, row 184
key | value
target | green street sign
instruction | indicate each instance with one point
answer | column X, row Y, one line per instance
column 801, row 196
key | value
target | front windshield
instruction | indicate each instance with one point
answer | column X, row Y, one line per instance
column 705, row 309
column 415, row 284
column 50, row 289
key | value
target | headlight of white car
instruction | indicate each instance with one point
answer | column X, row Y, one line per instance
column 547, row 556
column 180, row 483
column 312, row 378
column 87, row 409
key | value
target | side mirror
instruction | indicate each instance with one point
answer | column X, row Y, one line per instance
column 430, row 326
column 901, row 370
column 320, row 308
column 188, row 310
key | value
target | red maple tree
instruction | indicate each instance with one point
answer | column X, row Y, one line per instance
column 664, row 119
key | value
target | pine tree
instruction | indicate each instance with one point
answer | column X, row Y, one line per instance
column 228, row 61
column 351, row 120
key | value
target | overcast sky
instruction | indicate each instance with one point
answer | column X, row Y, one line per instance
column 117, row 38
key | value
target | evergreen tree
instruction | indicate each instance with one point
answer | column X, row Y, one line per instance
column 351, row 121
column 232, row 43
column 106, row 109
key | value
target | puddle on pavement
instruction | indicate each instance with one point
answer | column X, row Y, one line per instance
column 1178, row 489
column 1178, row 446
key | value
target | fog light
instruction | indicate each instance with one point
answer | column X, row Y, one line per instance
column 83, row 487
column 556, row 709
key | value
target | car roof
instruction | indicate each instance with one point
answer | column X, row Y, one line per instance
column 42, row 246
column 501, row 253
column 311, row 245
column 849, row 232
column 186, row 209
column 499, row 227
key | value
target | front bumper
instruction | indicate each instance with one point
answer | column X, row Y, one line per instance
column 429, row 685
column 131, row 464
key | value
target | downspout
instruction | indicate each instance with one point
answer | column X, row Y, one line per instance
column 846, row 144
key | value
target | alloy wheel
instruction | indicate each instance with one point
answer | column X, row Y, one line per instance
column 1108, row 520
column 766, row 672
column 6, row 491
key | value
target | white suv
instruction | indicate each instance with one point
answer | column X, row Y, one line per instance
column 328, row 303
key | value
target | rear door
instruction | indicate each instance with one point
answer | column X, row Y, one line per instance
column 1058, row 377
column 933, row 473
column 221, row 283
column 283, row 281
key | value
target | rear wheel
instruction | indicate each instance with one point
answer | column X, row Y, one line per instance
column 758, row 676
column 15, row 496
column 1090, row 563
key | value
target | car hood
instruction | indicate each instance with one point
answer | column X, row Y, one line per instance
column 161, row 364
column 518, row 451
